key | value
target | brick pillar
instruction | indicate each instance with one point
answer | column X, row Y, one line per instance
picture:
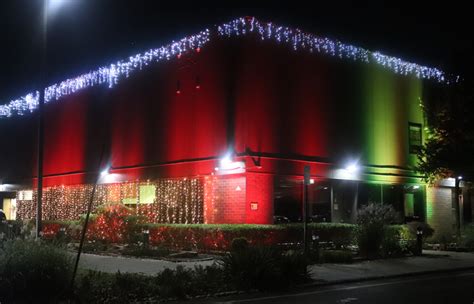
column 259, row 202
column 224, row 199
column 439, row 211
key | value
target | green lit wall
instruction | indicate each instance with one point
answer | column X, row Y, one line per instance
column 389, row 102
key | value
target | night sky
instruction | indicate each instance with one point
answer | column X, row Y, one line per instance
column 85, row 34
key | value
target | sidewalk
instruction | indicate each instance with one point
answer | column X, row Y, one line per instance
column 431, row 261
column 113, row 264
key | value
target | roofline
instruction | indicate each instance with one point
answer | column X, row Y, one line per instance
column 113, row 73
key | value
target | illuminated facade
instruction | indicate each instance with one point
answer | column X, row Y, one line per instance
column 217, row 128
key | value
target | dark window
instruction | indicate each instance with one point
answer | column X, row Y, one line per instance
column 414, row 137
column 414, row 204
column 319, row 202
column 288, row 200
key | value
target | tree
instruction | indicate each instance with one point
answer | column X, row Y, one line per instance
column 449, row 148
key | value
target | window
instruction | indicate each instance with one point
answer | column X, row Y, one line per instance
column 25, row 195
column 147, row 194
column 414, row 137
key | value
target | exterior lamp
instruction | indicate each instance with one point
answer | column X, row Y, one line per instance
column 352, row 168
column 459, row 177
column 227, row 165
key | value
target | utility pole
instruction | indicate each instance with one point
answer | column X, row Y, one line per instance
column 43, row 73
column 306, row 182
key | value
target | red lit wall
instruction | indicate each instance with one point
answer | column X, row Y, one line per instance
column 224, row 200
column 254, row 96
column 259, row 200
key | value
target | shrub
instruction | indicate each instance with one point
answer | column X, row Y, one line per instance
column 239, row 244
column 96, row 287
column 219, row 237
column 425, row 227
column 336, row 256
column 264, row 268
column 371, row 221
column 467, row 237
column 114, row 223
column 396, row 241
column 142, row 251
column 33, row 271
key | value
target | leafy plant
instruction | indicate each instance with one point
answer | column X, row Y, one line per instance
column 425, row 228
column 33, row 271
column 467, row 237
column 371, row 222
column 264, row 268
column 336, row 256
column 181, row 283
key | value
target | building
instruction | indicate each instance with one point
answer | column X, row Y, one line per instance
column 218, row 127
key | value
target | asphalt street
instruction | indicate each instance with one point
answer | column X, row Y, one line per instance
column 455, row 288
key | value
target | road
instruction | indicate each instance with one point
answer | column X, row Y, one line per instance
column 455, row 288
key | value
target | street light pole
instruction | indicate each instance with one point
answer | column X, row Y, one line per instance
column 43, row 75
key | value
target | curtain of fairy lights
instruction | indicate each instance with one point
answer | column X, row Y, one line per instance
column 169, row 201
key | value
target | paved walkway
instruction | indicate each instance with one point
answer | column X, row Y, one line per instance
column 325, row 273
column 431, row 261
column 113, row 264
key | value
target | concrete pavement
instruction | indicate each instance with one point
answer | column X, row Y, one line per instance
column 113, row 264
column 432, row 261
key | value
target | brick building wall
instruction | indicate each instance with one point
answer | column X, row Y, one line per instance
column 439, row 212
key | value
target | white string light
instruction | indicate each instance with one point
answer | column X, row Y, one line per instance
column 300, row 40
column 109, row 75
column 297, row 39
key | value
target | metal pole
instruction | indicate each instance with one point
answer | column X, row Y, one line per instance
column 306, row 181
column 305, row 217
column 39, row 203
column 83, row 234
column 89, row 209
column 456, row 206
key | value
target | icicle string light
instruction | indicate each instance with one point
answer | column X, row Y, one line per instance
column 300, row 40
column 297, row 39
column 109, row 75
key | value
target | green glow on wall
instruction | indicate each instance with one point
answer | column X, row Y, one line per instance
column 389, row 103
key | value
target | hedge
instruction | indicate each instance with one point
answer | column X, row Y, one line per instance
column 212, row 237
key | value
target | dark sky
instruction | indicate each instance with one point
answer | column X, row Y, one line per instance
column 85, row 34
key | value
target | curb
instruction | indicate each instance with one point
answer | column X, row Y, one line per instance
column 375, row 277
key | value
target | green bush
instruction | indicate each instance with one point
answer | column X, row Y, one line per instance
column 336, row 256
column 203, row 237
column 395, row 241
column 371, row 222
column 33, row 271
column 467, row 237
column 425, row 227
column 97, row 287
column 143, row 251
column 264, row 268
column 239, row 244
column 338, row 234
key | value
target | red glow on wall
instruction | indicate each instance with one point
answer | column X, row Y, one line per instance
column 260, row 192
column 223, row 202
column 65, row 135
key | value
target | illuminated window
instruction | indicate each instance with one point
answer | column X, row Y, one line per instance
column 414, row 137
column 147, row 194
column 26, row 195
